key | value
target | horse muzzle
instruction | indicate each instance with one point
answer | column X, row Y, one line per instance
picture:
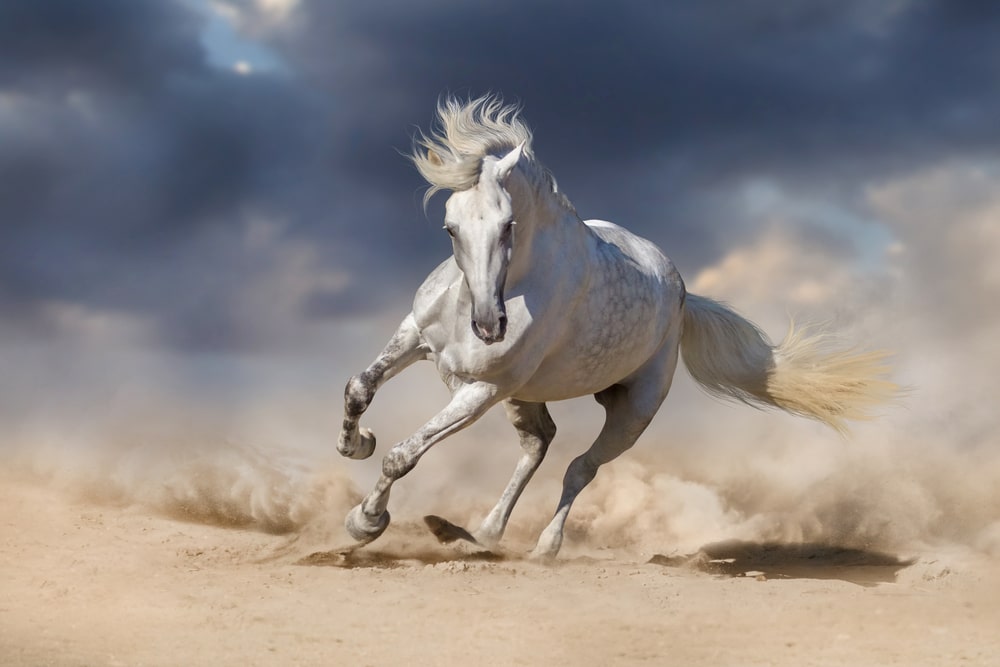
column 490, row 329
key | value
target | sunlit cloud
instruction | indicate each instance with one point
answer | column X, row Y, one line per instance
column 230, row 34
column 776, row 268
column 277, row 9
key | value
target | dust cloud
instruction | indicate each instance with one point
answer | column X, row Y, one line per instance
column 704, row 471
column 195, row 477
column 923, row 476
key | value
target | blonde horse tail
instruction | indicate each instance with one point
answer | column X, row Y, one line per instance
column 805, row 375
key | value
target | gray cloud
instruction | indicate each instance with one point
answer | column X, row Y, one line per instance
column 652, row 113
column 112, row 45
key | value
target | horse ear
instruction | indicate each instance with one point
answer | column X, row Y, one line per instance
column 507, row 163
column 434, row 158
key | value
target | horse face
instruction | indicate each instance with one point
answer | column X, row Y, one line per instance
column 480, row 221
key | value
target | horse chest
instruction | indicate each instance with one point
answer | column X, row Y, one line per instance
column 445, row 328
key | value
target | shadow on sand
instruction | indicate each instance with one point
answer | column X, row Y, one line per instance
column 777, row 560
column 373, row 558
column 734, row 558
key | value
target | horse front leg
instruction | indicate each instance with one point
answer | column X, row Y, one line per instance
column 404, row 348
column 536, row 430
column 468, row 403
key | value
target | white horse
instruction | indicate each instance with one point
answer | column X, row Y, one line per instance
column 538, row 305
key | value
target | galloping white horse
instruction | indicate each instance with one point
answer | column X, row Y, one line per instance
column 538, row 305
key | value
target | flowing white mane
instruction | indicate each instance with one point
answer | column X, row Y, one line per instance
column 451, row 156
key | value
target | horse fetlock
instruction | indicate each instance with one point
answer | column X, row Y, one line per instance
column 548, row 545
column 358, row 394
column 363, row 527
column 488, row 535
column 356, row 443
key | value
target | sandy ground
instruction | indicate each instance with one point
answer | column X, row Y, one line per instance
column 87, row 583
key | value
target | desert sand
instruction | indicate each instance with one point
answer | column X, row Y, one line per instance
column 90, row 581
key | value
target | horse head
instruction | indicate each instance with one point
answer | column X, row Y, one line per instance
column 480, row 221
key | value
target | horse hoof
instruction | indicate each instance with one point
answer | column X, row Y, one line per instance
column 361, row 446
column 446, row 532
column 367, row 447
column 363, row 529
column 547, row 548
column 544, row 557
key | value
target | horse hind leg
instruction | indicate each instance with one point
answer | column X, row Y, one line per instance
column 622, row 428
column 404, row 348
column 629, row 409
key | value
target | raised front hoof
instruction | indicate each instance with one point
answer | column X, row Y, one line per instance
column 360, row 527
column 360, row 446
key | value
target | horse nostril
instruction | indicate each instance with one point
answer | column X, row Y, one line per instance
column 490, row 334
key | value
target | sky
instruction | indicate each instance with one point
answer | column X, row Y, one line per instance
column 206, row 204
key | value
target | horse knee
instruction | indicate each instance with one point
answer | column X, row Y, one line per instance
column 535, row 426
column 537, row 444
column 547, row 428
column 397, row 463
column 358, row 394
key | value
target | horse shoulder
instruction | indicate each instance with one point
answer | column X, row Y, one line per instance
column 433, row 298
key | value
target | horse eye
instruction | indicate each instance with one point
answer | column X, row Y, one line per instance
column 451, row 231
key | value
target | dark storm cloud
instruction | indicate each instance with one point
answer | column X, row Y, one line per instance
column 130, row 167
column 647, row 111
column 752, row 80
column 117, row 44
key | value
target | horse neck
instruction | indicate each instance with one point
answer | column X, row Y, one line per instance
column 547, row 229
